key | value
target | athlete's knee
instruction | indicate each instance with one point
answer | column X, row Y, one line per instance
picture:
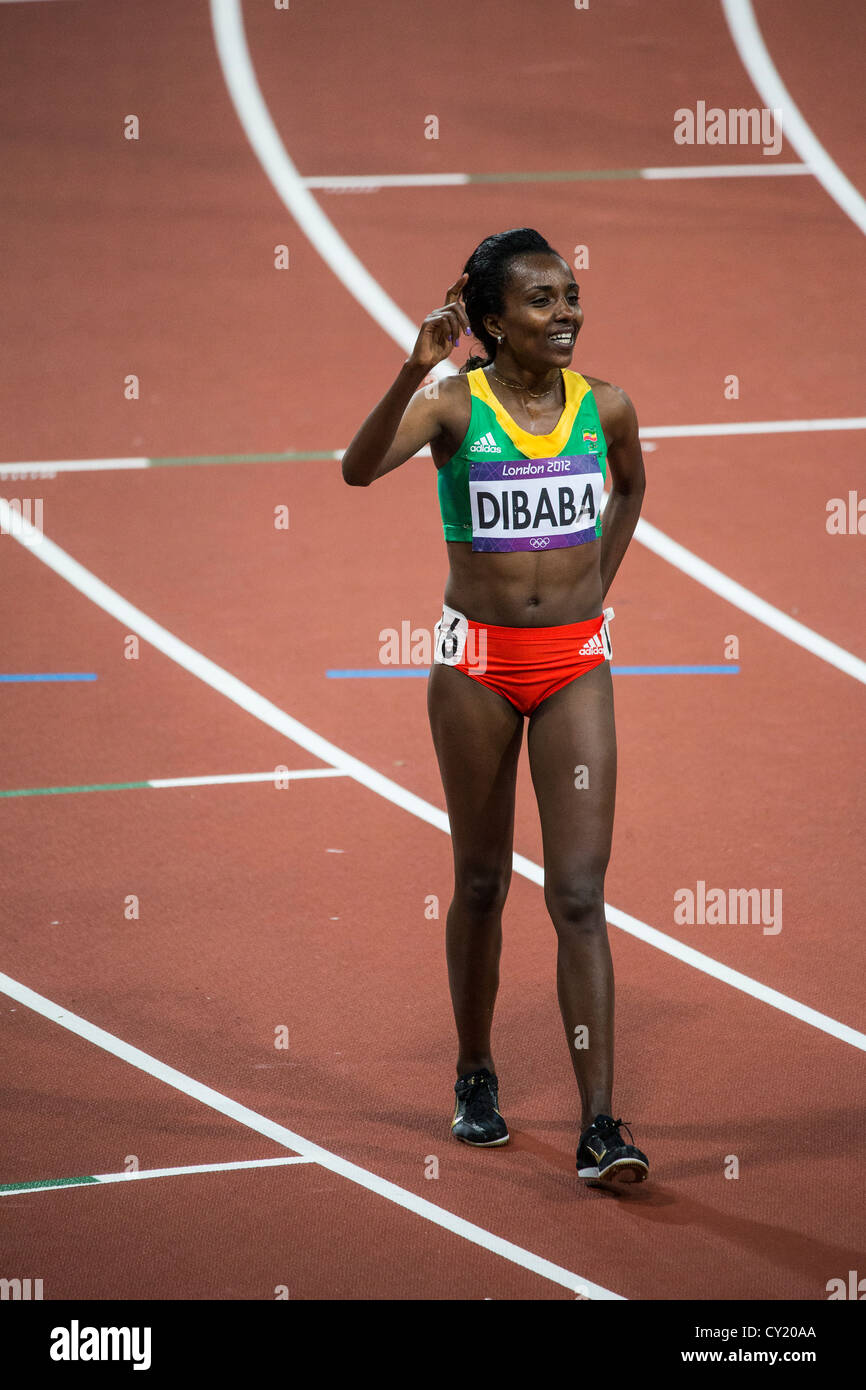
column 576, row 904
column 480, row 890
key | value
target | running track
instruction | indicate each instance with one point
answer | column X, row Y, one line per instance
column 303, row 908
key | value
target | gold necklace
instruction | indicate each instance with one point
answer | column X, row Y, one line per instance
column 535, row 394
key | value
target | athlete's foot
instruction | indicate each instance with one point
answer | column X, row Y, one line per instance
column 476, row 1115
column 604, row 1159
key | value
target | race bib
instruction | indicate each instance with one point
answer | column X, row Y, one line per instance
column 449, row 637
column 534, row 504
column 605, row 632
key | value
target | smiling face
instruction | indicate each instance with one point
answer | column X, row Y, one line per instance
column 541, row 317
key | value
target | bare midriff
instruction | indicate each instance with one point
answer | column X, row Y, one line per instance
column 525, row 590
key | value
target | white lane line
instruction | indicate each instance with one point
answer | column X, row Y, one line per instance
column 255, row 118
column 97, row 1179
column 820, row 425
column 373, row 182
column 246, row 698
column 215, row 1100
column 708, row 966
column 725, row 171
column 759, row 65
column 748, row 602
column 838, row 422
column 245, row 777
column 71, row 466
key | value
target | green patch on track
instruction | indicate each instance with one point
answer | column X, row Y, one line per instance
column 65, row 791
column 47, row 1182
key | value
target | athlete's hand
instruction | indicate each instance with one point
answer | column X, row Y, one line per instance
column 440, row 332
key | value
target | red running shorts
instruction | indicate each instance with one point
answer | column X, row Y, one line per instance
column 523, row 664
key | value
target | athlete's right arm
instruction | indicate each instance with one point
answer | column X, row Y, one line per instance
column 406, row 419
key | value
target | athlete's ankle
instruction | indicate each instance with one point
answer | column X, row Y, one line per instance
column 588, row 1116
column 467, row 1066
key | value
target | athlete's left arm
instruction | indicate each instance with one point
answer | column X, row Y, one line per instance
column 627, row 477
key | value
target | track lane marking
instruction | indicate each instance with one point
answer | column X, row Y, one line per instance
column 14, row 1189
column 301, row 775
column 255, row 704
column 374, row 182
column 72, row 465
column 11, row 470
column 251, row 1119
column 158, row 783
column 755, row 57
column 837, row 422
column 257, row 123
column 748, row 602
column 725, row 171
column 51, row 677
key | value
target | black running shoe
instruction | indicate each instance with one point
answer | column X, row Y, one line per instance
column 476, row 1117
column 604, row 1159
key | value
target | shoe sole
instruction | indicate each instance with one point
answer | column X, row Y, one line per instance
column 622, row 1174
column 481, row 1143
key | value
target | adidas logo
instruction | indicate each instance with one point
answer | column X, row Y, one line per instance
column 593, row 646
column 485, row 445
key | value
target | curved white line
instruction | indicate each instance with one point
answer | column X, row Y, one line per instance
column 748, row 602
column 762, row 70
column 234, row 55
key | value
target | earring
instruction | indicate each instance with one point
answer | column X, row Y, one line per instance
column 499, row 337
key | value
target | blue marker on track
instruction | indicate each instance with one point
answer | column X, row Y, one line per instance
column 53, row 676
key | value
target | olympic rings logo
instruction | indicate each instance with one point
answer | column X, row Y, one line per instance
column 539, row 542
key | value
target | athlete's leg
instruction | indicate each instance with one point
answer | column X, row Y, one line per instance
column 477, row 735
column 572, row 730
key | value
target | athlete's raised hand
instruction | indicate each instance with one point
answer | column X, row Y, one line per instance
column 440, row 332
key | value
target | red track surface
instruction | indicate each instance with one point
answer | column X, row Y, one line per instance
column 156, row 258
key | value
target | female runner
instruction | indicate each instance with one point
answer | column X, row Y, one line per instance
column 521, row 444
